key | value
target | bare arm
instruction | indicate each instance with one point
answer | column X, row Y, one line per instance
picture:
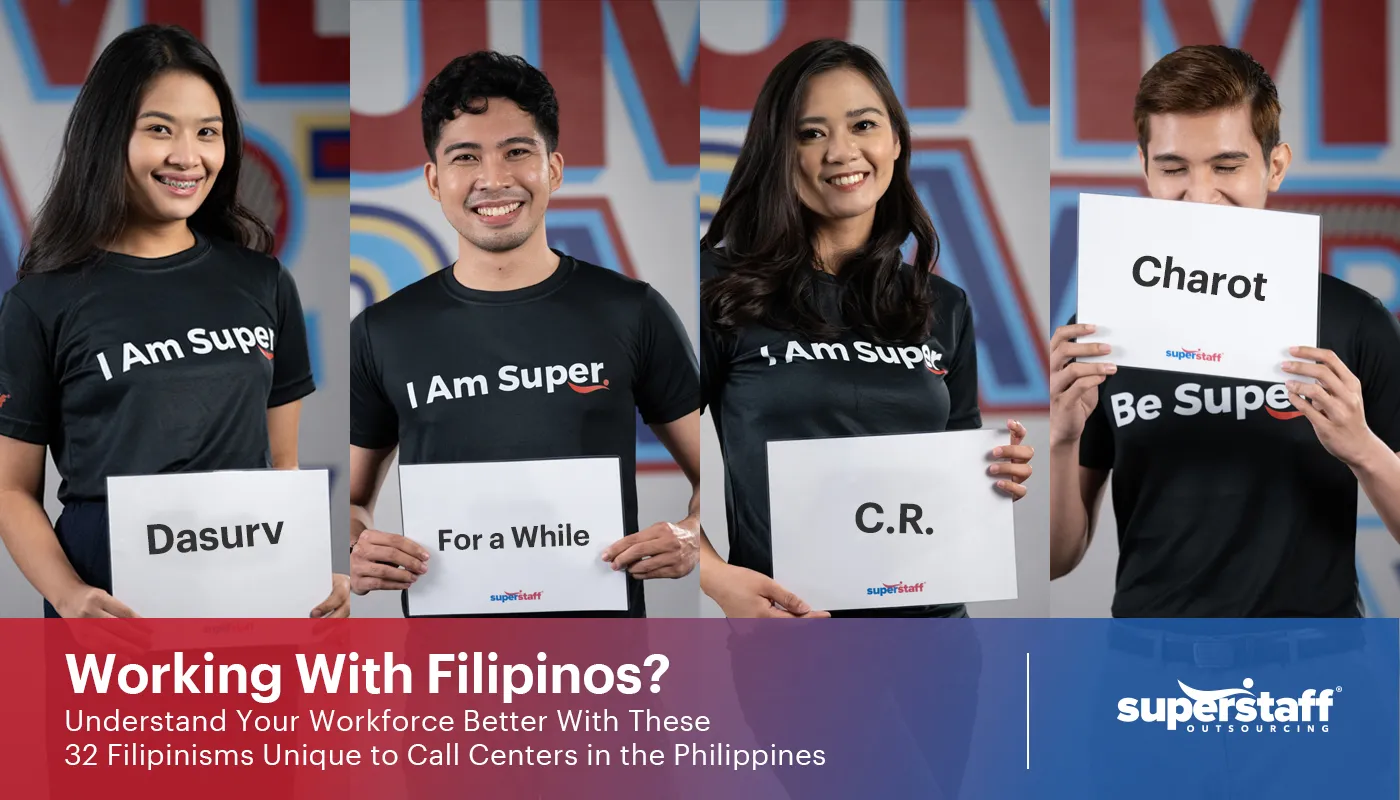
column 682, row 440
column 367, row 471
column 283, row 425
column 1379, row 476
column 1075, row 491
column 378, row 560
column 667, row 550
column 30, row 538
column 1335, row 406
column 1075, row 495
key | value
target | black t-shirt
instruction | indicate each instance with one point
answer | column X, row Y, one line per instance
column 143, row 366
column 764, row 385
column 580, row 314
column 1227, row 504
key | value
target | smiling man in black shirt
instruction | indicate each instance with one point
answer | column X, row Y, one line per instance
column 516, row 352
column 1233, row 498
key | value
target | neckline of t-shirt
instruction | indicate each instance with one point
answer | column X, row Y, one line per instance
column 526, row 294
column 183, row 258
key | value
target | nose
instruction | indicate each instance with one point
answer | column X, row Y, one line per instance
column 1202, row 188
column 841, row 148
column 494, row 174
column 183, row 152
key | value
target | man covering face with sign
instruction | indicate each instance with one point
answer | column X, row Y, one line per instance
column 1232, row 497
column 516, row 353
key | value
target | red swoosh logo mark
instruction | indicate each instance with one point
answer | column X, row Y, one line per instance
column 588, row 389
column 1284, row 414
column 938, row 371
column 3, row 398
column 266, row 354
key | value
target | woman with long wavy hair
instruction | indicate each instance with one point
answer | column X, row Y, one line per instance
column 806, row 246
column 123, row 346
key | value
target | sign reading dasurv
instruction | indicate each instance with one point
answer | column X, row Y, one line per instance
column 237, row 543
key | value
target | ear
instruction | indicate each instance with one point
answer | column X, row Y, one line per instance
column 431, row 176
column 1142, row 159
column 556, row 171
column 898, row 147
column 1278, row 164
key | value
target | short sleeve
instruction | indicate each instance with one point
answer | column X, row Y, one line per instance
column 666, row 386
column 714, row 362
column 374, row 423
column 1378, row 368
column 963, row 412
column 291, row 364
column 28, row 390
column 1096, row 443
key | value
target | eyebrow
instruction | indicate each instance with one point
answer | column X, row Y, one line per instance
column 530, row 140
column 169, row 118
column 858, row 112
column 1228, row 155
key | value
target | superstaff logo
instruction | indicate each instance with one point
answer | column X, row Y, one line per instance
column 895, row 588
column 1233, row 710
column 1193, row 355
column 511, row 597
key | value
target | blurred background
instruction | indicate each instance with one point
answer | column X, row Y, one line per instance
column 623, row 74
column 971, row 76
column 1337, row 68
column 287, row 62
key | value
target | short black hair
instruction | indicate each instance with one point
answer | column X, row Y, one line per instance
column 467, row 83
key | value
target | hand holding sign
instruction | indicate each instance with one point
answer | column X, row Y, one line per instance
column 246, row 543
column 1015, row 463
column 513, row 536
column 337, row 605
column 1074, row 392
column 745, row 594
column 663, row 550
column 901, row 519
column 385, row 561
column 1195, row 287
column 92, row 603
column 1333, row 404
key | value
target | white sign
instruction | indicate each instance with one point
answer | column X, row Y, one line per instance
column 1192, row 287
column 239, row 543
column 888, row 521
column 515, row 537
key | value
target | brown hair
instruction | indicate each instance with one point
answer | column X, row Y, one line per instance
column 1200, row 78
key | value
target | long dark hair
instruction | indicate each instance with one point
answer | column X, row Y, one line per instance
column 87, row 205
column 767, row 232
